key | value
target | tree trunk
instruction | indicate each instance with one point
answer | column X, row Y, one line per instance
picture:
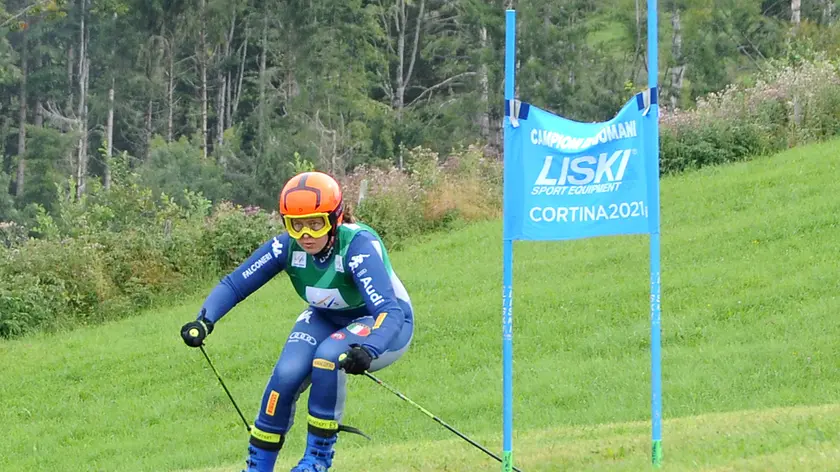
column 81, row 173
column 39, row 113
column 109, row 134
column 334, row 152
column 828, row 12
column 491, row 134
column 484, row 81
column 21, row 168
column 403, row 76
column 572, row 76
column 4, row 129
column 238, row 94
column 678, row 71
column 262, row 104
column 70, row 104
column 170, row 93
column 71, row 59
column 796, row 19
column 84, row 67
column 202, row 57
column 5, row 126
column 639, row 51
column 220, row 110
column 400, row 23
column 291, row 85
column 228, row 98
column 225, row 110
column 148, row 129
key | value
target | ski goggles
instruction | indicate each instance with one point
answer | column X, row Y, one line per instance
column 315, row 225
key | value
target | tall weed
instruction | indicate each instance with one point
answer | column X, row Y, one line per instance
column 432, row 193
column 789, row 103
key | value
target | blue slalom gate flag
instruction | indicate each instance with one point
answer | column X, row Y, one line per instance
column 569, row 180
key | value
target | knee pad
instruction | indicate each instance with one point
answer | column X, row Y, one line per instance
column 265, row 440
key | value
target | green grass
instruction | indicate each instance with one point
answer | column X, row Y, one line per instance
column 750, row 351
column 803, row 438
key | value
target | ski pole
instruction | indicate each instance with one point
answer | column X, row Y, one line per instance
column 225, row 387
column 430, row 415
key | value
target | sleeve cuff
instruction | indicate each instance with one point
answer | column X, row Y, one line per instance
column 374, row 353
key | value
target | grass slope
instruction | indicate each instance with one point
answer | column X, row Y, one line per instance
column 750, row 330
column 795, row 438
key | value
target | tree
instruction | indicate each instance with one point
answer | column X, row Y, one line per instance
column 22, row 106
column 251, row 84
column 678, row 65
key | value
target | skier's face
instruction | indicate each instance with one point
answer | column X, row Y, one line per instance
column 313, row 245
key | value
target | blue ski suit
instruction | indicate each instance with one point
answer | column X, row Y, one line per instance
column 353, row 297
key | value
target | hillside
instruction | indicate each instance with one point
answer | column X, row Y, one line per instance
column 750, row 372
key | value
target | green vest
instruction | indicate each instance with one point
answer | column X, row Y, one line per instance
column 331, row 287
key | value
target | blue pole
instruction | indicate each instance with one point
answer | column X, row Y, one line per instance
column 655, row 279
column 507, row 261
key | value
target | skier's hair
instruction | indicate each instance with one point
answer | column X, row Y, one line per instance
column 348, row 215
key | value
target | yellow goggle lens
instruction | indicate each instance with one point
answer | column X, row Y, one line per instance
column 315, row 225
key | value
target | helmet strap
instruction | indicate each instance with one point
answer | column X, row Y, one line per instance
column 327, row 251
column 335, row 217
column 328, row 248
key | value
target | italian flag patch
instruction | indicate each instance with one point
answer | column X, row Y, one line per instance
column 359, row 329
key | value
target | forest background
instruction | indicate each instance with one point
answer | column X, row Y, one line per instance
column 145, row 142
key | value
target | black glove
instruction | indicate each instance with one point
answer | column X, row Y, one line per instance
column 355, row 360
column 194, row 332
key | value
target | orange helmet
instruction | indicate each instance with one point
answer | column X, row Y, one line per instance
column 311, row 195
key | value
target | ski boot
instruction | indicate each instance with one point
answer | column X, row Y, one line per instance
column 321, row 437
column 319, row 453
column 263, row 449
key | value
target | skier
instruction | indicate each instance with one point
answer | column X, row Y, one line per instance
column 359, row 317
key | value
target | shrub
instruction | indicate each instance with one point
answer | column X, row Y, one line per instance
column 392, row 204
column 431, row 194
column 26, row 305
column 232, row 233
column 110, row 253
column 12, row 234
column 180, row 164
column 789, row 103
